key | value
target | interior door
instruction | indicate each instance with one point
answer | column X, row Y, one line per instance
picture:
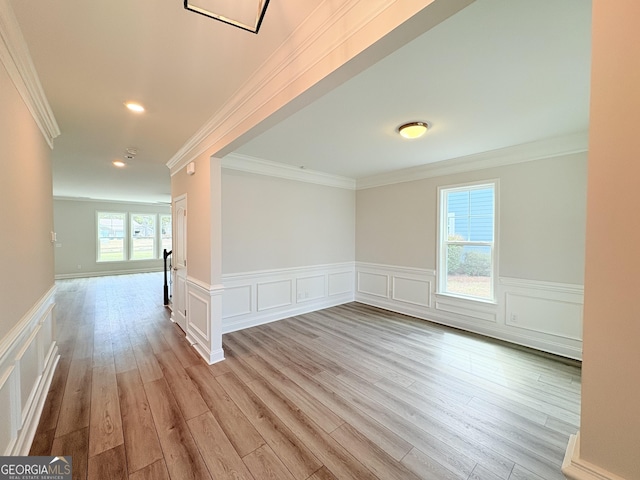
column 179, row 312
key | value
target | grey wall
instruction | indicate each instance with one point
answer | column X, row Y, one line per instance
column 75, row 226
column 542, row 210
column 271, row 223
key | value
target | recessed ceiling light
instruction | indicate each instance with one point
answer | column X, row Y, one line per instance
column 119, row 163
column 134, row 107
column 413, row 129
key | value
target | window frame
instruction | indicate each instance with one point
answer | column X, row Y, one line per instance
column 160, row 237
column 443, row 242
column 124, row 237
column 155, row 236
column 128, row 235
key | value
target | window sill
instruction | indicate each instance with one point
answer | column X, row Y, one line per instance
column 463, row 298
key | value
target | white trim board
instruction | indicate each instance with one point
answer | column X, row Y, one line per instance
column 28, row 358
column 15, row 56
column 546, row 316
column 245, row 163
column 255, row 298
column 575, row 468
column 107, row 273
column 526, row 152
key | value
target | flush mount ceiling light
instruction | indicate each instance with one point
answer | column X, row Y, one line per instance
column 413, row 129
column 244, row 14
column 134, row 107
column 119, row 163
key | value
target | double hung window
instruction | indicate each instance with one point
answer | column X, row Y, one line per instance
column 467, row 240
column 126, row 236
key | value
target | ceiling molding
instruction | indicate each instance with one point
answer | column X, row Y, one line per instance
column 332, row 35
column 526, row 152
column 119, row 202
column 14, row 55
column 258, row 166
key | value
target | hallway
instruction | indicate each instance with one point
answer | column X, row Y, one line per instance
column 349, row 392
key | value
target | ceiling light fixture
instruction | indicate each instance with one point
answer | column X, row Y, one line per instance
column 119, row 163
column 245, row 14
column 413, row 129
column 134, row 107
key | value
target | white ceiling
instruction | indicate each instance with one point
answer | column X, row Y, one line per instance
column 498, row 73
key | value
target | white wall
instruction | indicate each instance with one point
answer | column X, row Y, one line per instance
column 288, row 247
column 76, row 229
column 541, row 253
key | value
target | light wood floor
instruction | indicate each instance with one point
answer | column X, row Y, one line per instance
column 351, row 392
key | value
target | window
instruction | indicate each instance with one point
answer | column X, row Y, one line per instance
column 132, row 236
column 143, row 237
column 467, row 240
column 165, row 233
column 111, row 235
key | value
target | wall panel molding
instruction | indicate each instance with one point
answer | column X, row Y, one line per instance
column 203, row 319
column 254, row 298
column 28, row 358
column 543, row 315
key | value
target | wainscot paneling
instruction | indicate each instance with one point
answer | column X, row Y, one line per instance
column 28, row 358
column 203, row 318
column 543, row 315
column 255, row 298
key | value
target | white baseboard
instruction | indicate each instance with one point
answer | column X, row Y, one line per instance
column 546, row 316
column 28, row 359
column 107, row 273
column 256, row 298
column 575, row 468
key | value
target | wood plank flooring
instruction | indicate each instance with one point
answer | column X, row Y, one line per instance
column 351, row 392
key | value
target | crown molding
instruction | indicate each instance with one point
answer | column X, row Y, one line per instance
column 119, row 202
column 245, row 163
column 526, row 152
column 331, row 36
column 14, row 55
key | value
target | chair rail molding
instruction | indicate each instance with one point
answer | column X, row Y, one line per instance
column 542, row 315
column 204, row 319
column 254, row 298
column 28, row 359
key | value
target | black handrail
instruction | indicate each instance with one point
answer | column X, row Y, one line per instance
column 166, row 284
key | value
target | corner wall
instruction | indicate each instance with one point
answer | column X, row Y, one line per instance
column 540, row 253
column 608, row 444
column 28, row 351
column 288, row 247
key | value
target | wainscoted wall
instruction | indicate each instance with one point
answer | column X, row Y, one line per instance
column 203, row 319
column 542, row 315
column 255, row 298
column 28, row 357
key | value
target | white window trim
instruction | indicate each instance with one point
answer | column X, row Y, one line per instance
column 125, row 239
column 127, row 236
column 441, row 272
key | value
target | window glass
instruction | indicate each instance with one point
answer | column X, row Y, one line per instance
column 143, row 237
column 467, row 231
column 111, row 235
